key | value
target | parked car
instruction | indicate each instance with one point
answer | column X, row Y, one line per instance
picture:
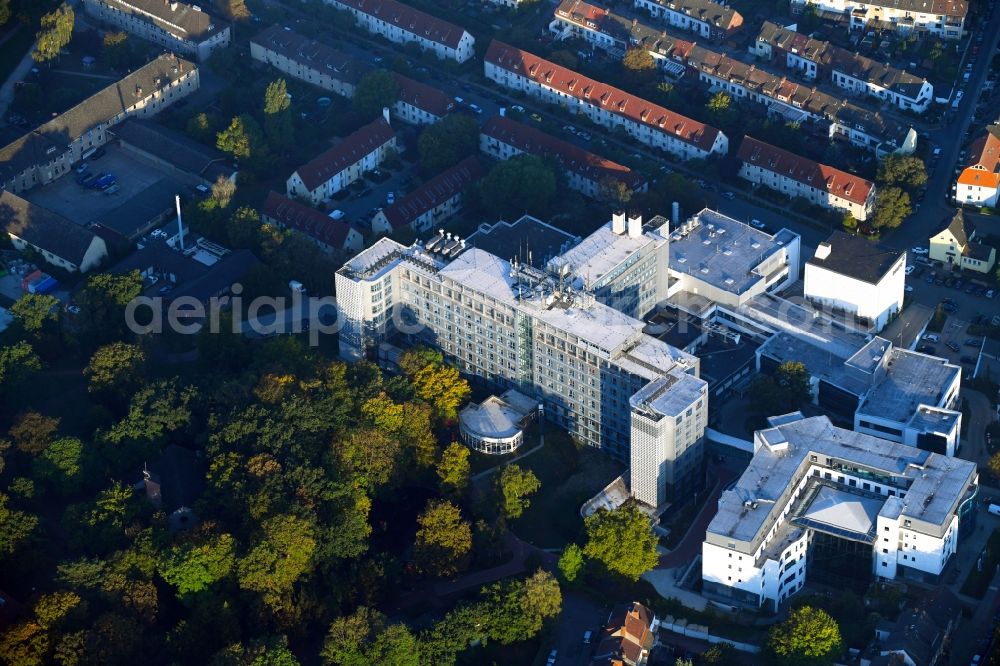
column 476, row 109
column 931, row 337
column 756, row 224
column 82, row 167
column 537, row 118
column 927, row 349
column 86, row 178
column 518, row 108
column 728, row 195
column 569, row 128
column 910, row 269
column 586, row 136
column 390, row 198
column 952, row 346
column 919, row 250
column 973, row 342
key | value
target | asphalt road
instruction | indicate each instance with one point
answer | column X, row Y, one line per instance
column 917, row 229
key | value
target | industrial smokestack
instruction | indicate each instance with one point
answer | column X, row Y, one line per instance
column 180, row 224
column 675, row 214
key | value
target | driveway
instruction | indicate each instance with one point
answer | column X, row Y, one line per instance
column 579, row 614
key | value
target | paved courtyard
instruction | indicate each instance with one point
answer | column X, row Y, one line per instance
column 83, row 205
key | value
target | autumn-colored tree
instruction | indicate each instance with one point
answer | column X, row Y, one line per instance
column 444, row 539
column 33, row 432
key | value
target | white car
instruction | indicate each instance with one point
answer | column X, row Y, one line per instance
column 910, row 269
column 908, row 288
column 931, row 337
column 518, row 108
column 919, row 250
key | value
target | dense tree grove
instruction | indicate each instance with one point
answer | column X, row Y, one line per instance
column 233, row 509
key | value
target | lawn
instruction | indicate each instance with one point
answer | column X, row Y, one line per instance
column 14, row 49
column 569, row 475
column 977, row 581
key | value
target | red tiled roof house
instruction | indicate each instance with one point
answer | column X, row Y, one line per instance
column 503, row 138
column 333, row 170
column 797, row 176
column 329, row 234
column 605, row 105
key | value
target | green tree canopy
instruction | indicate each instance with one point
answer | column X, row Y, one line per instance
column 278, row 125
column 103, row 304
column 519, row 608
column 15, row 527
column 808, row 637
column 787, row 390
column 18, row 362
column 243, row 138
column 363, row 638
column 521, row 184
column 116, row 370
column 571, row 562
column 64, row 465
column 453, row 468
column 905, row 171
column 622, row 540
column 892, row 206
column 443, row 539
column 115, row 49
column 35, row 312
column 448, row 142
column 56, row 33
column 280, row 557
column 515, row 485
column 376, row 90
column 198, row 561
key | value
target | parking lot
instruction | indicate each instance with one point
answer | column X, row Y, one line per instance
column 82, row 204
column 964, row 303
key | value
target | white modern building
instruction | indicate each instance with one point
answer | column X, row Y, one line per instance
column 853, row 72
column 176, row 26
column 333, row 170
column 48, row 152
column 939, row 18
column 850, row 274
column 511, row 325
column 796, row 176
column 403, row 24
column 824, row 501
column 706, row 19
column 496, row 425
column 619, row 264
column 718, row 262
column 604, row 105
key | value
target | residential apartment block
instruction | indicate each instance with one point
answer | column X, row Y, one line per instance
column 615, row 34
column 605, row 105
column 796, row 176
column 47, row 152
column 958, row 245
column 328, row 234
column 824, row 114
column 587, row 173
column 176, row 26
column 329, row 173
column 512, row 325
column 59, row 241
column 850, row 274
column 402, row 24
column 316, row 63
column 888, row 511
column 307, row 60
column 433, row 202
column 709, row 20
column 979, row 182
column 859, row 75
column 940, row 18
